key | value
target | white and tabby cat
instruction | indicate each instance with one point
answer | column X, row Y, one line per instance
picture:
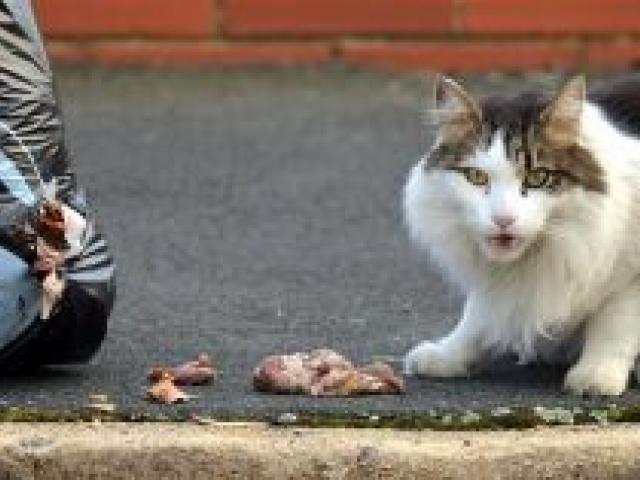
column 532, row 205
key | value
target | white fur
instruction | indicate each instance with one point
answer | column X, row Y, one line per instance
column 575, row 272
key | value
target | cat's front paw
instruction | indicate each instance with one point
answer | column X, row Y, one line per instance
column 430, row 359
column 602, row 378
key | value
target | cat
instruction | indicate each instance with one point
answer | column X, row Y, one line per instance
column 530, row 203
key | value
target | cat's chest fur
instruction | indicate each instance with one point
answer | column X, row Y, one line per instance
column 551, row 292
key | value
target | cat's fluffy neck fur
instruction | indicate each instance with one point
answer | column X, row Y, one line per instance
column 568, row 271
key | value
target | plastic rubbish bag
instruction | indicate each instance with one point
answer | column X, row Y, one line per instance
column 35, row 174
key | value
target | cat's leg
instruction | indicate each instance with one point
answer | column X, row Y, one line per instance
column 611, row 345
column 452, row 355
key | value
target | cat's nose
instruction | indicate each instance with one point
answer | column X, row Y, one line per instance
column 503, row 221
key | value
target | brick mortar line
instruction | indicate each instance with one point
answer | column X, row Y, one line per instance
column 390, row 38
column 339, row 41
column 181, row 43
column 332, row 51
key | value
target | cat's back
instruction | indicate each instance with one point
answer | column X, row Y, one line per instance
column 620, row 101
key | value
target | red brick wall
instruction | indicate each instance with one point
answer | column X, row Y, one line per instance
column 449, row 35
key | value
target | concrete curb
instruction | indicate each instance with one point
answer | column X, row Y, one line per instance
column 255, row 451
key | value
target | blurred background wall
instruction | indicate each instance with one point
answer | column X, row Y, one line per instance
column 444, row 35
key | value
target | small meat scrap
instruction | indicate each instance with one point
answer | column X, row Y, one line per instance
column 165, row 391
column 323, row 372
column 195, row 372
column 52, row 283
column 50, row 224
column 54, row 234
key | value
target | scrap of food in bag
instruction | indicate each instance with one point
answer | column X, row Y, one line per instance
column 324, row 372
column 195, row 372
column 164, row 390
column 49, row 225
column 54, row 225
column 41, row 238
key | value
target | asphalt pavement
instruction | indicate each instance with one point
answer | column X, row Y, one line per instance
column 254, row 212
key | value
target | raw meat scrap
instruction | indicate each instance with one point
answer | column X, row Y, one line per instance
column 50, row 225
column 165, row 391
column 50, row 246
column 195, row 372
column 55, row 234
column 323, row 372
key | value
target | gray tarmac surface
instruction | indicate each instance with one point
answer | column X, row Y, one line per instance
column 254, row 212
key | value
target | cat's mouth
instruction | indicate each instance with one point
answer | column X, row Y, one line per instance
column 504, row 241
column 504, row 247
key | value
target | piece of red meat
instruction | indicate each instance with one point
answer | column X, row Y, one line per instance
column 164, row 390
column 195, row 372
column 323, row 372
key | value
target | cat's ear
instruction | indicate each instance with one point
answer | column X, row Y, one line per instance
column 452, row 103
column 561, row 119
column 454, row 110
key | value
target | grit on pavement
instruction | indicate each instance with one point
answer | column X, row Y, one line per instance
column 254, row 212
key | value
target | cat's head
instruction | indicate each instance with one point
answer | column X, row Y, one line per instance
column 511, row 163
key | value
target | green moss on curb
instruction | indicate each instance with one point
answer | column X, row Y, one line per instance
column 31, row 414
column 515, row 419
column 503, row 418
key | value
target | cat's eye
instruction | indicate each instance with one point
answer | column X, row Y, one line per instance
column 476, row 177
column 540, row 178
